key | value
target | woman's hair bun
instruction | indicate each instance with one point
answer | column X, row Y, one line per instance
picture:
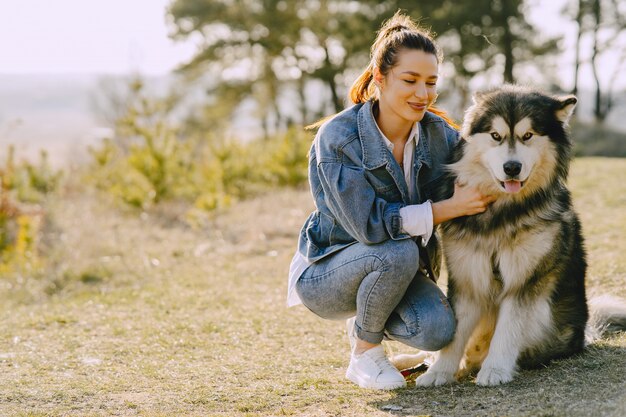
column 399, row 21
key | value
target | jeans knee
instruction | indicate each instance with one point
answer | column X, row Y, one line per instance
column 403, row 257
column 432, row 330
column 438, row 334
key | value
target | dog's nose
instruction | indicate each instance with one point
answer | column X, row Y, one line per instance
column 512, row 168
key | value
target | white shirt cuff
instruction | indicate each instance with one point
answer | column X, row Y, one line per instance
column 417, row 220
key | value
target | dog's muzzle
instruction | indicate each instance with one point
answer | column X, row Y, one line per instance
column 512, row 170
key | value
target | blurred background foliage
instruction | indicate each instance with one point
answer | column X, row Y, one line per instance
column 266, row 49
column 288, row 63
column 24, row 189
column 285, row 64
column 151, row 157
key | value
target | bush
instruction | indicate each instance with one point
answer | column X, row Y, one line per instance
column 285, row 158
column 150, row 160
column 210, row 174
column 23, row 188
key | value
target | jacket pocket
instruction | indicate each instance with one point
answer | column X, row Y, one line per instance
column 384, row 185
column 319, row 229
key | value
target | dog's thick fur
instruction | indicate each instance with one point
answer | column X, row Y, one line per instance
column 516, row 271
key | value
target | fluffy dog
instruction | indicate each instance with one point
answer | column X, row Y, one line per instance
column 516, row 271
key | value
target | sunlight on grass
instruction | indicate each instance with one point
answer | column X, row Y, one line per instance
column 205, row 330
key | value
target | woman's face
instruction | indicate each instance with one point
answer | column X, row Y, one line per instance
column 409, row 87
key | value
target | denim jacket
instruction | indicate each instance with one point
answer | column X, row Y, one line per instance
column 359, row 188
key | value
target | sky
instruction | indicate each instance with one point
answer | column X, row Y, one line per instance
column 88, row 36
column 131, row 36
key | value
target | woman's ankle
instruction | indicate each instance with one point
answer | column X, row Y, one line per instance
column 363, row 346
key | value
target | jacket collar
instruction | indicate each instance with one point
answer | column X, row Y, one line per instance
column 422, row 149
column 375, row 153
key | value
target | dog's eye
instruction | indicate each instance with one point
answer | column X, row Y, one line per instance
column 527, row 136
column 496, row 136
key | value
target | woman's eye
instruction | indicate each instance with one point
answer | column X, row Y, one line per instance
column 527, row 136
column 496, row 136
column 432, row 84
column 409, row 81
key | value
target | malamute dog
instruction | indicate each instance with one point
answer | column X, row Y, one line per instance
column 516, row 271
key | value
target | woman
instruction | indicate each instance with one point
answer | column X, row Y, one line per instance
column 368, row 250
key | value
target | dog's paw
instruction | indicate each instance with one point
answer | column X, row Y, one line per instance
column 434, row 379
column 405, row 361
column 494, row 376
column 466, row 372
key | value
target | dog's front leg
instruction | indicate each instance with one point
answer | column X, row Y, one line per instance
column 520, row 323
column 447, row 363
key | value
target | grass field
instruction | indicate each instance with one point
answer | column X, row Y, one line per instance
column 141, row 315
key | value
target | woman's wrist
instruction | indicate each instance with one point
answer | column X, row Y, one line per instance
column 444, row 210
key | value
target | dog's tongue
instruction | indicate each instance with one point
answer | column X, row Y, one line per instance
column 512, row 186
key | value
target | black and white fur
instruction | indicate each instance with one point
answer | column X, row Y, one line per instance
column 517, row 271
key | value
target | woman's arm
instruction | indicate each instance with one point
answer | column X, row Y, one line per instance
column 355, row 205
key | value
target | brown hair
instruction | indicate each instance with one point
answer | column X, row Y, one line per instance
column 399, row 32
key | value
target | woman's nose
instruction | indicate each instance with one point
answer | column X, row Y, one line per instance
column 420, row 91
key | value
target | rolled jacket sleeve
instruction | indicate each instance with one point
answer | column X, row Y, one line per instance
column 353, row 202
column 417, row 220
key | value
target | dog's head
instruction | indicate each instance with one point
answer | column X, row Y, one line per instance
column 516, row 140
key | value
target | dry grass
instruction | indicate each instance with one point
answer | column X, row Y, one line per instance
column 143, row 316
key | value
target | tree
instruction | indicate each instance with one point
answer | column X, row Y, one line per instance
column 609, row 27
column 486, row 38
column 264, row 48
column 603, row 24
column 579, row 15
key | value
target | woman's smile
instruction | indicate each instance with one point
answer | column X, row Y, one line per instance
column 420, row 107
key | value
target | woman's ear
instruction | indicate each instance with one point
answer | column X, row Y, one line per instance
column 378, row 77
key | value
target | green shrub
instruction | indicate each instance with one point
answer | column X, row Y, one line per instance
column 285, row 158
column 23, row 188
column 151, row 160
column 208, row 174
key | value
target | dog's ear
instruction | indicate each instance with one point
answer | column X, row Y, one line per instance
column 565, row 107
column 478, row 96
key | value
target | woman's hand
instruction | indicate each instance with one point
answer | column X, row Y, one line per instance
column 466, row 201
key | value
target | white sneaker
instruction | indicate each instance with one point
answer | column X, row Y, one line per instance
column 351, row 332
column 373, row 370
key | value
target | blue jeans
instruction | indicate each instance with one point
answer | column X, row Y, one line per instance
column 382, row 286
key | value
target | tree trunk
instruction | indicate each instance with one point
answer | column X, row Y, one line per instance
column 278, row 122
column 331, row 81
column 273, row 99
column 579, row 21
column 333, row 92
column 598, row 111
column 507, row 41
column 304, row 115
column 265, row 127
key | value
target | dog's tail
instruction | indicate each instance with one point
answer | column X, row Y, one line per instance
column 606, row 314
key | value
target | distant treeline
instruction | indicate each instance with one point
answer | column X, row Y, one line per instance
column 175, row 146
column 263, row 50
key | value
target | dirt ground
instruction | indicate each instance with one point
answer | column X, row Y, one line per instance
column 143, row 315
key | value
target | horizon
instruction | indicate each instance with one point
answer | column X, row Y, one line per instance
column 82, row 42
